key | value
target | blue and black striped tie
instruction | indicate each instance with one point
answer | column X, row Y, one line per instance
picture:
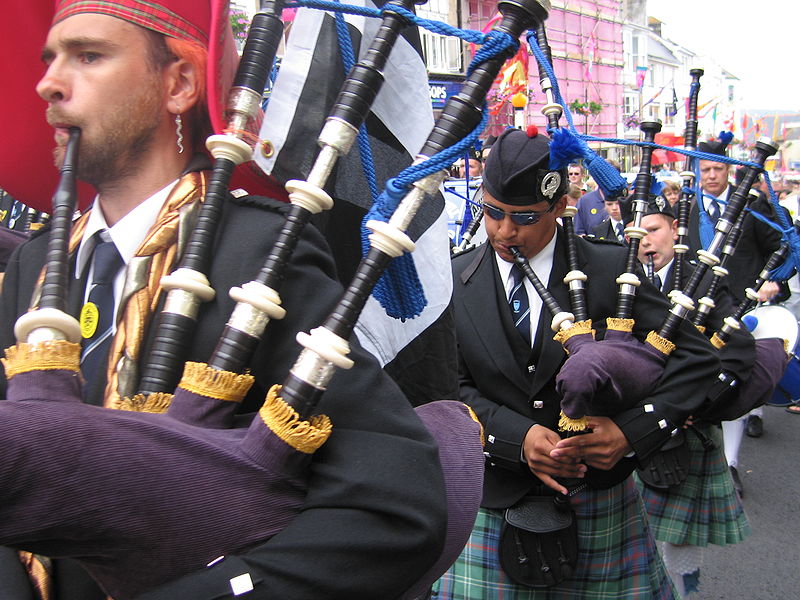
column 520, row 307
column 107, row 262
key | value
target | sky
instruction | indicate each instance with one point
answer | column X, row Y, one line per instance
column 758, row 42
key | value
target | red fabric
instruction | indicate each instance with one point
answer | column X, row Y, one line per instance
column 26, row 161
column 26, row 158
column 182, row 19
column 665, row 156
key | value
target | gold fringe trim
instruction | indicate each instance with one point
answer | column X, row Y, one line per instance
column 283, row 420
column 201, row 379
column 40, row 573
column 661, row 344
column 44, row 356
column 578, row 327
column 565, row 423
column 157, row 402
column 475, row 418
column 619, row 324
column 716, row 342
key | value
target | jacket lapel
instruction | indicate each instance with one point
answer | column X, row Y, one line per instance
column 486, row 312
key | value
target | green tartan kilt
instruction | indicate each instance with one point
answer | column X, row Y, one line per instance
column 704, row 509
column 617, row 556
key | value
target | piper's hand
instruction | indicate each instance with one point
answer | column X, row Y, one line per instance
column 602, row 449
column 768, row 290
column 537, row 449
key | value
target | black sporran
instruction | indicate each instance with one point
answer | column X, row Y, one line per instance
column 539, row 542
column 669, row 466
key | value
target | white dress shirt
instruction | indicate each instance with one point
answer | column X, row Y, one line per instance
column 127, row 234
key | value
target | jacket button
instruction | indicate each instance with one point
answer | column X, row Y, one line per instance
column 538, row 404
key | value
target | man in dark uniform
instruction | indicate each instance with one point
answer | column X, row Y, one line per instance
column 704, row 508
column 128, row 73
column 507, row 369
column 756, row 243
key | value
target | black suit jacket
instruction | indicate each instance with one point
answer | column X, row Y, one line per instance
column 493, row 362
column 374, row 517
column 605, row 231
column 757, row 241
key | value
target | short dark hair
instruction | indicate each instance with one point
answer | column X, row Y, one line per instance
column 158, row 54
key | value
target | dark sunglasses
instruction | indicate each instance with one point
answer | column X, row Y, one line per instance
column 518, row 218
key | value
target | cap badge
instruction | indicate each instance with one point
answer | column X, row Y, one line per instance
column 550, row 184
column 660, row 203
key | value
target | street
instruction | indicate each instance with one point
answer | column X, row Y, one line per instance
column 765, row 565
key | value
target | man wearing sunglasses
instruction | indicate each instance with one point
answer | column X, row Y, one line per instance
column 508, row 362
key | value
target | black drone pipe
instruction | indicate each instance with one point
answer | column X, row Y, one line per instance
column 50, row 320
column 731, row 324
column 326, row 347
column 681, row 246
column 706, row 303
column 258, row 301
column 629, row 281
column 188, row 286
column 682, row 301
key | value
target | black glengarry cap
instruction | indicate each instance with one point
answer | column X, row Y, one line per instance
column 517, row 171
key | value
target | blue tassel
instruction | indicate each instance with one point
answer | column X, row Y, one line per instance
column 656, row 187
column 399, row 290
column 725, row 137
column 566, row 147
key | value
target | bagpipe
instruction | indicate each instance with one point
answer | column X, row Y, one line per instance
column 613, row 374
column 196, row 460
column 598, row 376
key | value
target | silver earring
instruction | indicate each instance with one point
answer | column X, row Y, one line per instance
column 179, row 132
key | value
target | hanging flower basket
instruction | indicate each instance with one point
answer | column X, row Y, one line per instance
column 240, row 23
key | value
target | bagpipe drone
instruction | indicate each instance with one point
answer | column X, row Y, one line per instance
column 199, row 451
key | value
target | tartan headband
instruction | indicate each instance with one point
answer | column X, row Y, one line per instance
column 181, row 19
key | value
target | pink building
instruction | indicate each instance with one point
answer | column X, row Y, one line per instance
column 586, row 41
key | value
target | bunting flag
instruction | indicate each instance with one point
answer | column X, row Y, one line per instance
column 641, row 73
column 591, row 52
column 673, row 108
column 514, row 75
column 670, row 139
column 708, row 106
column 306, row 87
column 512, row 78
column 729, row 123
